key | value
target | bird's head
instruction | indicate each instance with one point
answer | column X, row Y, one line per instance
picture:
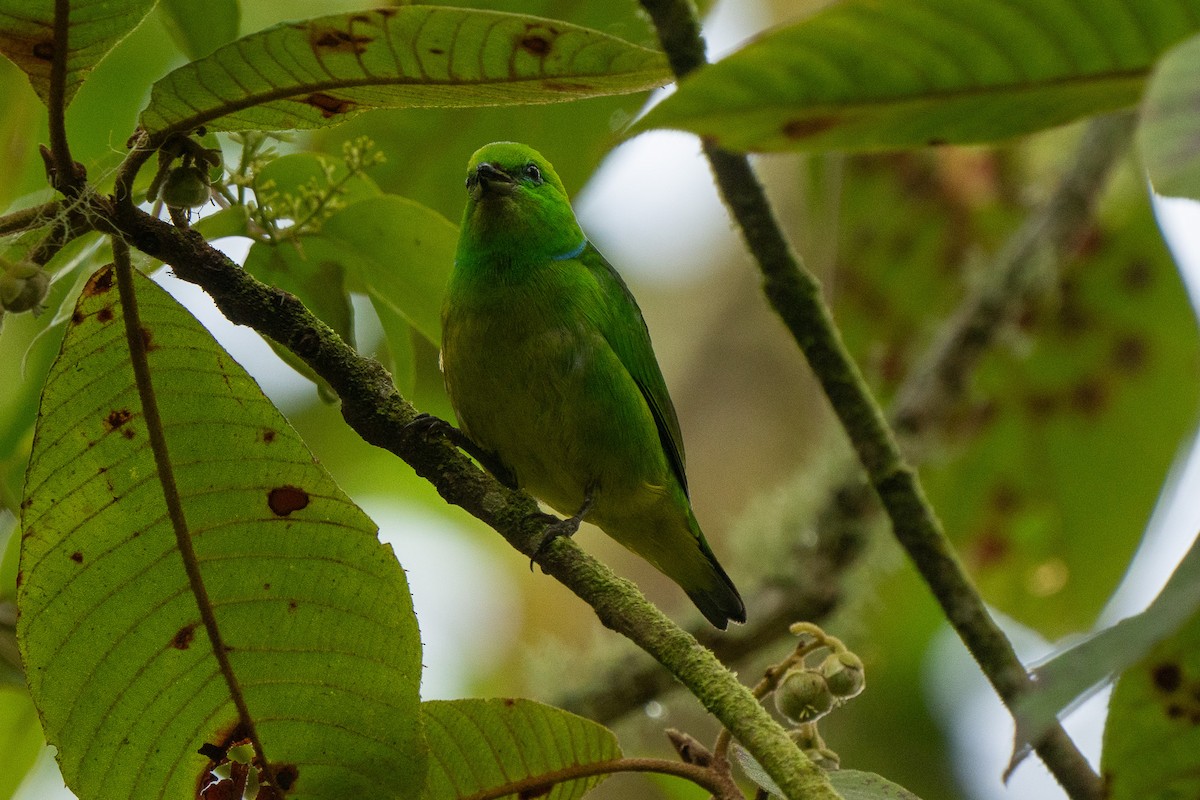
column 516, row 201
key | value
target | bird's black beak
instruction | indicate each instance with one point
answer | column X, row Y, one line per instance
column 489, row 179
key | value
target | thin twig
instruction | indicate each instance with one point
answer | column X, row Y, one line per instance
column 136, row 341
column 141, row 148
column 795, row 294
column 64, row 176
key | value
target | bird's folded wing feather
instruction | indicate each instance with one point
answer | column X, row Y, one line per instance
column 629, row 338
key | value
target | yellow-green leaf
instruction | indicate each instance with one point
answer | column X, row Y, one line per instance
column 323, row 71
column 314, row 612
column 27, row 36
column 478, row 746
column 879, row 74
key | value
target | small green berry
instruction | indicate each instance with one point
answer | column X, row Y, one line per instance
column 843, row 672
column 185, row 187
column 803, row 696
column 23, row 287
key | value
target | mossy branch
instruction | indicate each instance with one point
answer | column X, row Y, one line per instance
column 376, row 411
column 795, row 294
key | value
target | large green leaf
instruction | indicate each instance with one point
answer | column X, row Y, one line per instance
column 1066, row 465
column 27, row 36
column 200, row 28
column 1170, row 126
column 321, row 72
column 574, row 136
column 481, row 745
column 400, row 253
column 1152, row 736
column 314, row 612
column 873, row 74
column 1047, row 473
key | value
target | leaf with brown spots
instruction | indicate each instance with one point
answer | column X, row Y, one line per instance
column 27, row 36
column 485, row 746
column 899, row 74
column 109, row 620
column 1152, row 736
column 412, row 56
column 283, row 500
column 1091, row 412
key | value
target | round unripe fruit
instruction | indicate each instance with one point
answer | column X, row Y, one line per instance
column 803, row 696
column 185, row 187
column 843, row 672
column 23, row 287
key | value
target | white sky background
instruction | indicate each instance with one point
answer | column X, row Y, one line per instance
column 676, row 193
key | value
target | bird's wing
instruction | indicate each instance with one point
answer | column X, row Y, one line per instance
column 629, row 338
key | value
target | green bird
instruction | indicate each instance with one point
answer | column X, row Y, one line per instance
column 548, row 365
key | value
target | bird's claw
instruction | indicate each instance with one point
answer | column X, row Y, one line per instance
column 427, row 424
column 555, row 527
column 430, row 425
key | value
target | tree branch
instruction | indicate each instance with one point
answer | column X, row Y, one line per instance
column 376, row 411
column 795, row 294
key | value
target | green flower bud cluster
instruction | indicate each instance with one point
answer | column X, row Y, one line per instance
column 805, row 693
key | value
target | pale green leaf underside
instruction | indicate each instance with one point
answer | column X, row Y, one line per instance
column 314, row 610
column 1169, row 134
column 1073, row 672
column 877, row 74
column 854, row 785
column 320, row 72
column 27, row 36
column 477, row 745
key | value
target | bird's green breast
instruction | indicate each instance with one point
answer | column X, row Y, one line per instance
column 532, row 378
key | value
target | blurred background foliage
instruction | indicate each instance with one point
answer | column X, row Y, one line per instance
column 1045, row 482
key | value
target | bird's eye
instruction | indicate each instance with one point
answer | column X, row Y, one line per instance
column 533, row 173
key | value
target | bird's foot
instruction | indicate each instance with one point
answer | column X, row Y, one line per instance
column 430, row 425
column 556, row 527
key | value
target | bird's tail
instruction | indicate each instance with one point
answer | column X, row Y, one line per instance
column 672, row 542
column 712, row 591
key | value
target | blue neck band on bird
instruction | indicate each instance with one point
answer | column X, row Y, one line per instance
column 572, row 253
